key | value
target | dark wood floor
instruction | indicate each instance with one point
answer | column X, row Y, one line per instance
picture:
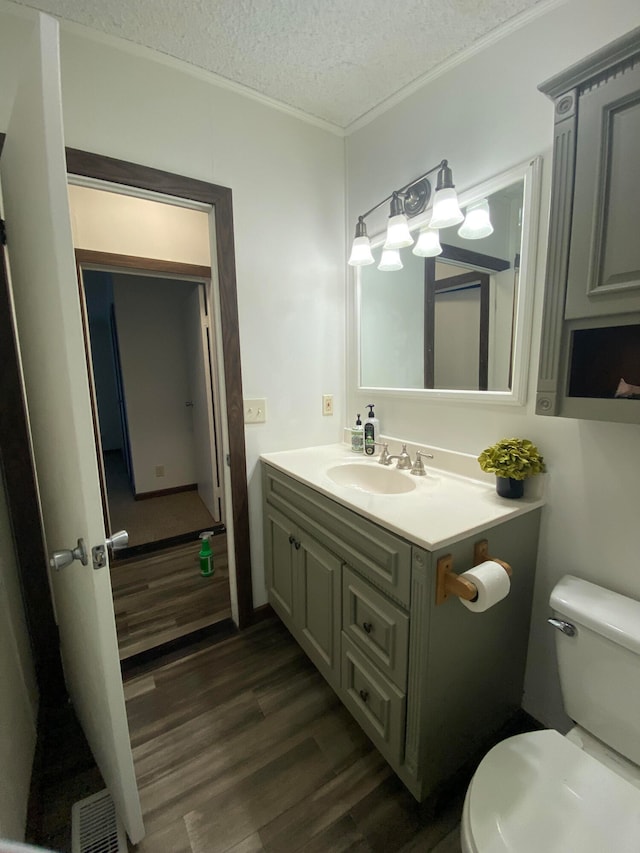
column 163, row 596
column 242, row 747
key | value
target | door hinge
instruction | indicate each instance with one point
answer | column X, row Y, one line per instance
column 3, row 233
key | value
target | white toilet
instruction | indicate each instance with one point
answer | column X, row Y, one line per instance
column 542, row 792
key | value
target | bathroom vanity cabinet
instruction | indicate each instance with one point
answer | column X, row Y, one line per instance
column 591, row 323
column 429, row 683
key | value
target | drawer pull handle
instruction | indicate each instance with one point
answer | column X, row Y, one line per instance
column 364, row 695
column 368, row 627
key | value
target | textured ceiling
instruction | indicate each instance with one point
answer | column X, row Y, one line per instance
column 333, row 59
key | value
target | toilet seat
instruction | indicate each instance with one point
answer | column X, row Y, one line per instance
column 538, row 791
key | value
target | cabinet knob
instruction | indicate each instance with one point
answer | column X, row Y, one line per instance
column 296, row 544
column 368, row 627
column 364, row 695
column 291, row 539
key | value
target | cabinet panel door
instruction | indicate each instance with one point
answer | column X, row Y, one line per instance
column 317, row 608
column 376, row 704
column 280, row 555
column 376, row 625
column 604, row 260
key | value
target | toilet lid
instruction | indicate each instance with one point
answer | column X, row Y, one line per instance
column 538, row 791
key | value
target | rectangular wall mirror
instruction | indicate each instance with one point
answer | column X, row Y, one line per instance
column 455, row 326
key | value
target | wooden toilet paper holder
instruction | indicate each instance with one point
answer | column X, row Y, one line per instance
column 448, row 583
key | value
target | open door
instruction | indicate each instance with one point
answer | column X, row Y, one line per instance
column 44, row 290
column 202, row 395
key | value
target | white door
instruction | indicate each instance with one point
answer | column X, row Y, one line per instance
column 201, row 398
column 44, row 287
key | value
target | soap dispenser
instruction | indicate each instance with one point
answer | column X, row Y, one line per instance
column 371, row 430
column 357, row 436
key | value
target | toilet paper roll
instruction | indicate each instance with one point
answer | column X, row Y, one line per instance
column 491, row 581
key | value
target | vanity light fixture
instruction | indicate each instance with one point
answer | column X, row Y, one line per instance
column 390, row 260
column 361, row 247
column 477, row 223
column 398, row 234
column 408, row 201
column 428, row 245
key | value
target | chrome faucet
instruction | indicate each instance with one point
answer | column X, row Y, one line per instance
column 404, row 460
column 418, row 467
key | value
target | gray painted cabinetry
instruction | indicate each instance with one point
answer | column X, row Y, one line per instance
column 591, row 323
column 428, row 683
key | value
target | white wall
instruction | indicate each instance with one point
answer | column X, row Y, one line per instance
column 18, row 691
column 151, row 323
column 124, row 225
column 287, row 177
column 485, row 115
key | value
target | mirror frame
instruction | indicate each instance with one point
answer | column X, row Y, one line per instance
column 529, row 172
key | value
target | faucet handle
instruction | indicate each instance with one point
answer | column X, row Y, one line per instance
column 383, row 459
column 418, row 468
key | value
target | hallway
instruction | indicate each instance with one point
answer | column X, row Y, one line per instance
column 151, row 519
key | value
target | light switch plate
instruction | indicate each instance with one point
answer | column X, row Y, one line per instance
column 327, row 404
column 255, row 411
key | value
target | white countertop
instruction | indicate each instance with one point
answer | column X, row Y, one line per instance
column 443, row 508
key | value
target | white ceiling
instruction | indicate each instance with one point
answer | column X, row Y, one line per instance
column 332, row 59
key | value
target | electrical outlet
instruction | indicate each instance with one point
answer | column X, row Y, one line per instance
column 327, row 404
column 255, row 411
column 159, row 470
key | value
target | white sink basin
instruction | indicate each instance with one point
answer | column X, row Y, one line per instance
column 374, row 479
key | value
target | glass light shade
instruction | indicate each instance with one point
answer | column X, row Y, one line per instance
column 361, row 253
column 446, row 210
column 398, row 234
column 477, row 223
column 390, row 260
column 428, row 245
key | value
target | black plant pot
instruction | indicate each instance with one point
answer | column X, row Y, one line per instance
column 507, row 487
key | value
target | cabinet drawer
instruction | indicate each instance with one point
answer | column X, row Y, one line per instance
column 376, row 703
column 377, row 626
column 381, row 557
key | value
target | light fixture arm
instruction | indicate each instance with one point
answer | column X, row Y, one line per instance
column 416, row 201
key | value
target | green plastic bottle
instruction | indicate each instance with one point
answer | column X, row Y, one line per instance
column 206, row 555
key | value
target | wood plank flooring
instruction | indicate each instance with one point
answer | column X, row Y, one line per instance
column 242, row 747
column 163, row 596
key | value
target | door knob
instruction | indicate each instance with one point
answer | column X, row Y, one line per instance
column 118, row 540
column 60, row 559
column 115, row 542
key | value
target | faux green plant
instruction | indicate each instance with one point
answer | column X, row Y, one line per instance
column 517, row 458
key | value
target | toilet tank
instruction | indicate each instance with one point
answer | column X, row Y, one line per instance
column 600, row 666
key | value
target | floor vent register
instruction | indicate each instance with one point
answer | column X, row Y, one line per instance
column 95, row 827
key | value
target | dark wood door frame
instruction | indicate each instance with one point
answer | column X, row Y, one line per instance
column 21, row 488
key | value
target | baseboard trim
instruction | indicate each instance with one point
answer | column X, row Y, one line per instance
column 161, row 493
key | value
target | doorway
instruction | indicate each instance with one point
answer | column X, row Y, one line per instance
column 153, row 364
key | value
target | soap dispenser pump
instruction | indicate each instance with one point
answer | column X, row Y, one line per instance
column 371, row 430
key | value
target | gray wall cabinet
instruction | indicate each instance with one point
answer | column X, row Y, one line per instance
column 429, row 684
column 591, row 323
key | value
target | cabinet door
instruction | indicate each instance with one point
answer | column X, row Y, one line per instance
column 317, row 611
column 280, row 556
column 604, row 259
